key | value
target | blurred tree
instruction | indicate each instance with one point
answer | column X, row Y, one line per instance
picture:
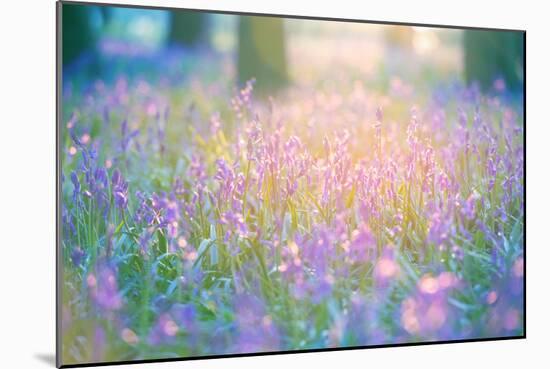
column 78, row 35
column 262, row 53
column 489, row 55
column 187, row 27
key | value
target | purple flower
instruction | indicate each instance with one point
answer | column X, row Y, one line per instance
column 197, row 168
column 439, row 230
column 427, row 312
column 119, row 189
column 256, row 329
column 363, row 244
column 164, row 331
column 236, row 224
column 386, row 268
column 76, row 185
column 77, row 255
column 469, row 206
column 126, row 137
column 186, row 316
column 241, row 102
column 103, row 288
column 179, row 319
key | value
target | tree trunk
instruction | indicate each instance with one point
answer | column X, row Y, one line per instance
column 78, row 35
column 489, row 55
column 262, row 53
column 187, row 28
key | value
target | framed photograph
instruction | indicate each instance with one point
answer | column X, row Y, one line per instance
column 235, row 184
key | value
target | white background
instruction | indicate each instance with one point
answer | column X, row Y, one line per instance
column 27, row 182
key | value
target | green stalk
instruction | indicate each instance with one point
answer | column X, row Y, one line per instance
column 246, row 188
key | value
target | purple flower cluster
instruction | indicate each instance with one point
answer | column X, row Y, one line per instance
column 242, row 230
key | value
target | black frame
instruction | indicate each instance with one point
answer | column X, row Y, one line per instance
column 59, row 68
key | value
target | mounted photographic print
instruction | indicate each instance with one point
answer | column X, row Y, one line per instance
column 240, row 184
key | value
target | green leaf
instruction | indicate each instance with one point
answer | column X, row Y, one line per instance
column 214, row 254
column 516, row 233
column 213, row 236
column 461, row 305
column 201, row 251
column 162, row 244
column 173, row 286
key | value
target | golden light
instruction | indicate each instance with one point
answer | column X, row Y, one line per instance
column 386, row 268
column 91, row 281
column 428, row 284
column 492, row 297
column 518, row 267
column 182, row 242
column 170, row 328
column 424, row 40
column 129, row 336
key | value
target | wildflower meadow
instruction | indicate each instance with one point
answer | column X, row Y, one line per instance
column 200, row 216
